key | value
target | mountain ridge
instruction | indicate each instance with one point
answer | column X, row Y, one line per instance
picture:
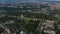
column 26, row 1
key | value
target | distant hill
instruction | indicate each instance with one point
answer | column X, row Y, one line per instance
column 26, row 1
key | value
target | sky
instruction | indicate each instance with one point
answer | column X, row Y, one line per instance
column 25, row 0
